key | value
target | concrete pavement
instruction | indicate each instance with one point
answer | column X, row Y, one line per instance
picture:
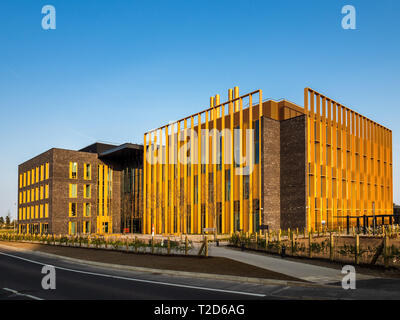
column 304, row 271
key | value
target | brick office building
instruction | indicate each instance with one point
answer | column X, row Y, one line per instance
column 312, row 167
column 309, row 167
column 93, row 190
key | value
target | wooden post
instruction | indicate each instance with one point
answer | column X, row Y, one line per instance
column 357, row 251
column 186, row 245
column 386, row 251
column 266, row 240
column 309, row 245
column 152, row 245
column 331, row 256
column 206, row 246
column 305, row 233
column 169, row 246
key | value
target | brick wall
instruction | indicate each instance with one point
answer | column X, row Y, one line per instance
column 293, row 172
column 60, row 190
column 284, row 173
column 271, row 172
column 37, row 161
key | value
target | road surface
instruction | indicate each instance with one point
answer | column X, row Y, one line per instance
column 21, row 278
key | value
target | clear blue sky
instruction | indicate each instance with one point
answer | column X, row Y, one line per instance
column 115, row 69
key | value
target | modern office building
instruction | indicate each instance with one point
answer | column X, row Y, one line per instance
column 93, row 190
column 293, row 167
column 242, row 165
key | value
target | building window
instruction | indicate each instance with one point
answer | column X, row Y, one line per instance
column 37, row 174
column 86, row 209
column 256, row 221
column 203, row 217
column 227, row 185
column 46, row 187
column 237, row 150
column 41, row 193
column 175, row 221
column 41, row 211
column 73, row 192
column 87, row 191
column 246, row 187
column 196, row 190
column 47, row 171
column 37, row 193
column 236, row 213
column 88, row 171
column 219, row 164
column 73, row 170
column 42, row 172
column 105, row 227
column 72, row 209
column 20, row 180
column 86, row 226
column 72, row 228
column 33, row 176
column 46, row 210
column 45, row 228
column 29, row 178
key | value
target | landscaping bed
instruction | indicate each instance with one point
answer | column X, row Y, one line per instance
column 199, row 264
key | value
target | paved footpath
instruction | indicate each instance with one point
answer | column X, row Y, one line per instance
column 304, row 271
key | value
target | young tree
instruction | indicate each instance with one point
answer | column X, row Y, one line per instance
column 1, row 221
column 8, row 220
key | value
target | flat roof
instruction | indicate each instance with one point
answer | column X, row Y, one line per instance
column 122, row 147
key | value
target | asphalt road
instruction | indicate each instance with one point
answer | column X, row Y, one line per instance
column 21, row 278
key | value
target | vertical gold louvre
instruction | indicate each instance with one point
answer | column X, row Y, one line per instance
column 349, row 166
column 349, row 163
column 185, row 182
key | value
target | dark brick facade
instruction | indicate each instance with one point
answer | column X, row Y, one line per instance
column 293, row 173
column 271, row 172
column 59, row 182
column 284, row 173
